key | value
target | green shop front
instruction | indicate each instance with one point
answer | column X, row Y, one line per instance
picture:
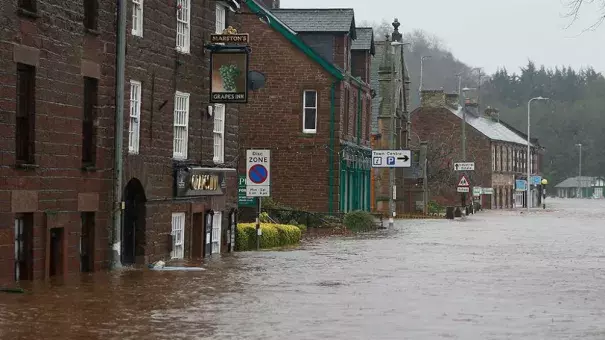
column 355, row 169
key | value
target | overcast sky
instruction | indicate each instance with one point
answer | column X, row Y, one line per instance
column 491, row 33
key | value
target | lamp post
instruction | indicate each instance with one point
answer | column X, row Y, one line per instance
column 544, row 183
column 392, row 131
column 579, row 145
column 529, row 160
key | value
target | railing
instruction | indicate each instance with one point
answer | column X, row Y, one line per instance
column 287, row 216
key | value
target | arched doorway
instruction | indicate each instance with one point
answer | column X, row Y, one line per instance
column 133, row 230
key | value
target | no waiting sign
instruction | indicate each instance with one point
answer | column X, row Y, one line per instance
column 258, row 173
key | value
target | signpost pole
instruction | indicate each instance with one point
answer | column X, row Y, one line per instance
column 258, row 232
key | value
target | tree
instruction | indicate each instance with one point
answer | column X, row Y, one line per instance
column 576, row 5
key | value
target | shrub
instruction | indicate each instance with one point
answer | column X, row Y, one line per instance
column 264, row 217
column 435, row 208
column 359, row 220
column 274, row 235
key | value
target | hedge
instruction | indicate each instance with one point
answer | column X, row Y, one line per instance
column 359, row 221
column 274, row 235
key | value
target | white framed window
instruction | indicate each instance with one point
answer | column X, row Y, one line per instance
column 137, row 17
column 135, row 117
column 217, row 221
column 310, row 111
column 183, row 26
column 181, row 125
column 221, row 18
column 219, row 133
column 178, row 236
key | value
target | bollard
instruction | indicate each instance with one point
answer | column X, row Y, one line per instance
column 449, row 213
column 457, row 212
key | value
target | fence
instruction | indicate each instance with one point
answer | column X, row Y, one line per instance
column 287, row 216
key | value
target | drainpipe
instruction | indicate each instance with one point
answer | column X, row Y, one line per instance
column 119, row 136
column 332, row 147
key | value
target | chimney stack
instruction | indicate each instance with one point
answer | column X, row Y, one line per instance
column 433, row 98
column 451, row 99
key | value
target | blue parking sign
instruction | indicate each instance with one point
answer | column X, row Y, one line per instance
column 390, row 160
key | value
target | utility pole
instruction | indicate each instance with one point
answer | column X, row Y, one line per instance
column 580, row 194
column 422, row 76
column 116, row 261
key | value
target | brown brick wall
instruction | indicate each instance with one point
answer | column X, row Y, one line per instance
column 154, row 61
column 360, row 64
column 442, row 129
column 62, row 51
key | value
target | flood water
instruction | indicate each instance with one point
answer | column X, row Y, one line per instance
column 497, row 275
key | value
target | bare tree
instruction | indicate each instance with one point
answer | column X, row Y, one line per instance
column 441, row 154
column 576, row 5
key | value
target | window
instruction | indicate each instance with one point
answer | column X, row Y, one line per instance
column 493, row 158
column 24, row 238
column 137, row 17
column 183, row 26
column 219, row 134
column 26, row 113
column 28, row 5
column 87, row 242
column 135, row 117
column 181, row 125
column 91, row 14
column 217, row 222
column 178, row 236
column 88, row 130
column 310, row 111
column 221, row 18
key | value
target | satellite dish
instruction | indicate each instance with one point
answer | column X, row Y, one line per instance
column 256, row 80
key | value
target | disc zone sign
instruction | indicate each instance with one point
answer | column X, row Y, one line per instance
column 258, row 173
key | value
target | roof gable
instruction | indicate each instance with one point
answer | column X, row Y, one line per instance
column 365, row 40
column 338, row 20
column 291, row 35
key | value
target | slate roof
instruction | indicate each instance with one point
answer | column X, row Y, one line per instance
column 365, row 39
column 572, row 182
column 374, row 84
column 318, row 20
column 492, row 129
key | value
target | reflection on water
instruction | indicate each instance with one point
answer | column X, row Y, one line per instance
column 497, row 275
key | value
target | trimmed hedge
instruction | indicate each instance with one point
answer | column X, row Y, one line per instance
column 274, row 235
column 359, row 221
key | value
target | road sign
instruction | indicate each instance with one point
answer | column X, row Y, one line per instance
column 463, row 182
column 258, row 174
column 463, row 189
column 488, row 191
column 465, row 166
column 391, row 158
column 242, row 199
column 477, row 191
column 536, row 180
column 521, row 185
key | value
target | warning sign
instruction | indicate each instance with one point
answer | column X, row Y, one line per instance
column 463, row 182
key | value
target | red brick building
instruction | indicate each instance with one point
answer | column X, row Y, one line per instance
column 57, row 103
column 56, row 108
column 314, row 111
column 499, row 151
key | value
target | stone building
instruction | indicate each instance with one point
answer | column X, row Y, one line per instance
column 314, row 111
column 57, row 81
column 499, row 151
column 58, row 96
column 391, row 85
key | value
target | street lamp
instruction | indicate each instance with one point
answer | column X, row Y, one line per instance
column 529, row 161
column 392, row 131
column 579, row 145
column 544, row 183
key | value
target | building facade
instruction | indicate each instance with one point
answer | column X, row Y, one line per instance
column 498, row 151
column 57, row 81
column 313, row 111
column 180, row 151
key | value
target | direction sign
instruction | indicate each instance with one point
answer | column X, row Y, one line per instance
column 536, row 180
column 521, row 185
column 463, row 189
column 258, row 174
column 463, row 182
column 477, row 191
column 243, row 200
column 488, row 191
column 465, row 166
column 391, row 158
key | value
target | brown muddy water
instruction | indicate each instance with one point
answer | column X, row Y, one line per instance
column 496, row 275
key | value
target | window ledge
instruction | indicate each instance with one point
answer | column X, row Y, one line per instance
column 89, row 168
column 26, row 13
column 27, row 166
column 307, row 134
column 92, row 31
